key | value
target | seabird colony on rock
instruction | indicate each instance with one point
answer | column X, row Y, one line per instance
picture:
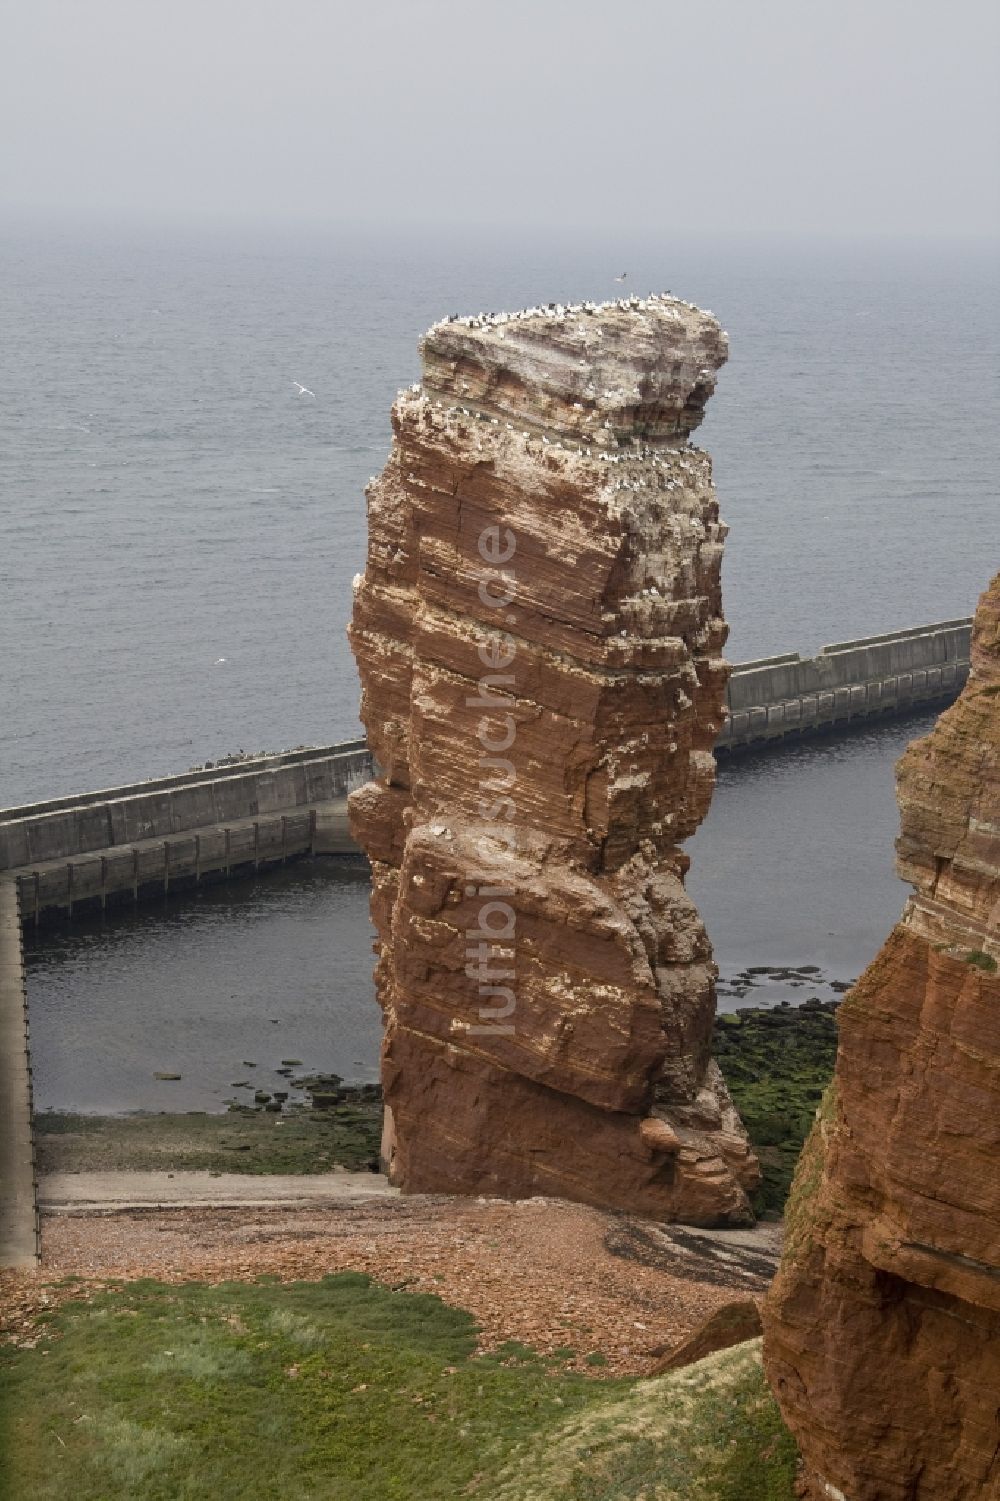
column 660, row 458
column 655, row 456
column 558, row 310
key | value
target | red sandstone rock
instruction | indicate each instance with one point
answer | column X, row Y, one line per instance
column 539, row 635
column 732, row 1324
column 882, row 1331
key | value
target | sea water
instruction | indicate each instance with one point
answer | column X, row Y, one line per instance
column 181, row 524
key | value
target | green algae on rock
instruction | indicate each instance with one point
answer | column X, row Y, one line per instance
column 777, row 1063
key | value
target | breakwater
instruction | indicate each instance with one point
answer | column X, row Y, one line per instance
column 785, row 697
column 150, row 838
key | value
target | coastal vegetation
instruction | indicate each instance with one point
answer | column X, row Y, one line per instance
column 777, row 1063
column 343, row 1387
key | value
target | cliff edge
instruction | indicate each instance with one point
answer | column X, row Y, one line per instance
column 882, row 1330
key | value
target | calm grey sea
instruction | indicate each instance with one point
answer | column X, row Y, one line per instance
column 793, row 866
column 180, row 528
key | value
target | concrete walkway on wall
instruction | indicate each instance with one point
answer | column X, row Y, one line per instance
column 18, row 1211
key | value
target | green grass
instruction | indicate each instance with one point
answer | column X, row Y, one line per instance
column 342, row 1388
column 711, row 1432
column 982, row 961
column 804, row 1204
column 777, row 1065
column 244, row 1141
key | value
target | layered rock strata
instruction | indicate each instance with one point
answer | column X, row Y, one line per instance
column 539, row 632
column 883, row 1326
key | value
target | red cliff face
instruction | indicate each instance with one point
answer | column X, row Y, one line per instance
column 538, row 632
column 882, row 1331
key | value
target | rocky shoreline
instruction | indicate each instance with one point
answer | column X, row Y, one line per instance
column 343, row 1132
column 776, row 1062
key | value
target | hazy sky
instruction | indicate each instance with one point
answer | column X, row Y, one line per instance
column 853, row 116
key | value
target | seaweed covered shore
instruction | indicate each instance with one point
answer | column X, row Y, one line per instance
column 776, row 1061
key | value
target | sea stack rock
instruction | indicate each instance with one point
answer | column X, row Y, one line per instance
column 539, row 633
column 882, row 1331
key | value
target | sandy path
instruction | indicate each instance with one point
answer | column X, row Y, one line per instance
column 94, row 1192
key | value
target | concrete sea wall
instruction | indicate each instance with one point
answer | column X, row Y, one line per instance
column 879, row 676
column 150, row 838
column 156, row 810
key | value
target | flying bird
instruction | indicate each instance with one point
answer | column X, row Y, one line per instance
column 622, row 277
column 302, row 390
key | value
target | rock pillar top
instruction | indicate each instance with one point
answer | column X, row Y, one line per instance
column 606, row 374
